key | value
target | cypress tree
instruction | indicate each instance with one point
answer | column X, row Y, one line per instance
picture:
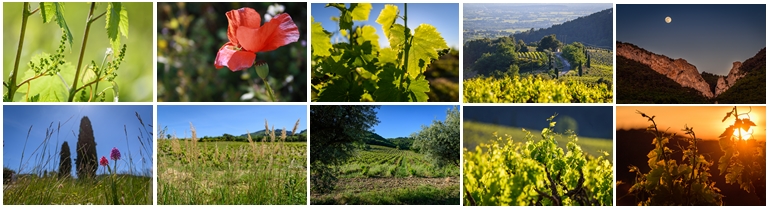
column 65, row 161
column 86, row 161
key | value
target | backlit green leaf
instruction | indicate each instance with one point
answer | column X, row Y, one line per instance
column 55, row 11
column 425, row 43
column 117, row 23
column 320, row 42
column 387, row 18
column 360, row 11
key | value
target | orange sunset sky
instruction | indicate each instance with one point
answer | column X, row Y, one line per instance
column 707, row 121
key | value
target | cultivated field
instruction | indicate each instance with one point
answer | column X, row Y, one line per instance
column 384, row 175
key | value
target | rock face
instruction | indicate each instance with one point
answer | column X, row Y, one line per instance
column 678, row 70
column 725, row 83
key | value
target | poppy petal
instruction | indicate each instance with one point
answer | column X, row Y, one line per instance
column 280, row 31
column 243, row 17
column 233, row 59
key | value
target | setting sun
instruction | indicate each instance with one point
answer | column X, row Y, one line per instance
column 742, row 134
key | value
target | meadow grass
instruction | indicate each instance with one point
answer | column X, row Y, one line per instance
column 232, row 173
column 51, row 190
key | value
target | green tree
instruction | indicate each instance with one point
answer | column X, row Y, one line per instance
column 336, row 129
column 564, row 123
column 548, row 42
column 86, row 161
column 522, row 46
column 489, row 63
column 65, row 161
column 440, row 141
column 575, row 54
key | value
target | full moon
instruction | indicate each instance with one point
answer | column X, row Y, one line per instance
column 668, row 19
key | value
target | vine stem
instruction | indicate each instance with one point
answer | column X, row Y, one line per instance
column 407, row 39
column 74, row 88
column 25, row 16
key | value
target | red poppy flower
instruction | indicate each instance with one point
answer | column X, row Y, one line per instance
column 247, row 37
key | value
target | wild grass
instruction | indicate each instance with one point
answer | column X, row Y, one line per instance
column 232, row 173
column 37, row 183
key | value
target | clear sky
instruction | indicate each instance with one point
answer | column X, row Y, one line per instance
column 706, row 120
column 445, row 17
column 231, row 119
column 709, row 36
column 107, row 122
column 403, row 120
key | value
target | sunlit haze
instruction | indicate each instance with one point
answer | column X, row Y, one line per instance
column 706, row 120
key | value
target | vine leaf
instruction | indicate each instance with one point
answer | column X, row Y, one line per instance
column 368, row 34
column 387, row 18
column 55, row 11
column 388, row 55
column 389, row 84
column 117, row 23
column 418, row 89
column 320, row 43
column 360, row 11
column 747, row 124
column 335, row 90
column 46, row 88
column 396, row 37
column 427, row 40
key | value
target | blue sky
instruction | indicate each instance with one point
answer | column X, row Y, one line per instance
column 107, row 122
column 445, row 17
column 711, row 36
column 231, row 119
column 402, row 120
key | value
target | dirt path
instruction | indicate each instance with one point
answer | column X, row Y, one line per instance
column 564, row 61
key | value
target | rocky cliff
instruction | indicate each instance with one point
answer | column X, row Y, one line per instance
column 678, row 70
column 725, row 83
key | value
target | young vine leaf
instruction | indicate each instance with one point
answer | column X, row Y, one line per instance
column 54, row 11
column 117, row 23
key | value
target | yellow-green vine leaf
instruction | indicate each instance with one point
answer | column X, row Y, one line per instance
column 360, row 11
column 427, row 40
column 387, row 18
column 320, row 42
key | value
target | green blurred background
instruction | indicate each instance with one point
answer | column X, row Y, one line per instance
column 135, row 73
column 189, row 36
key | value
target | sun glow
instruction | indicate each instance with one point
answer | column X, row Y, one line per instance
column 743, row 134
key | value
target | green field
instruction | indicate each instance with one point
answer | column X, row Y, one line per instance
column 475, row 133
column 231, row 173
column 388, row 176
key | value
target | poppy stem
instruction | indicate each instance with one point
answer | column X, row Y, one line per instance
column 12, row 85
column 269, row 90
